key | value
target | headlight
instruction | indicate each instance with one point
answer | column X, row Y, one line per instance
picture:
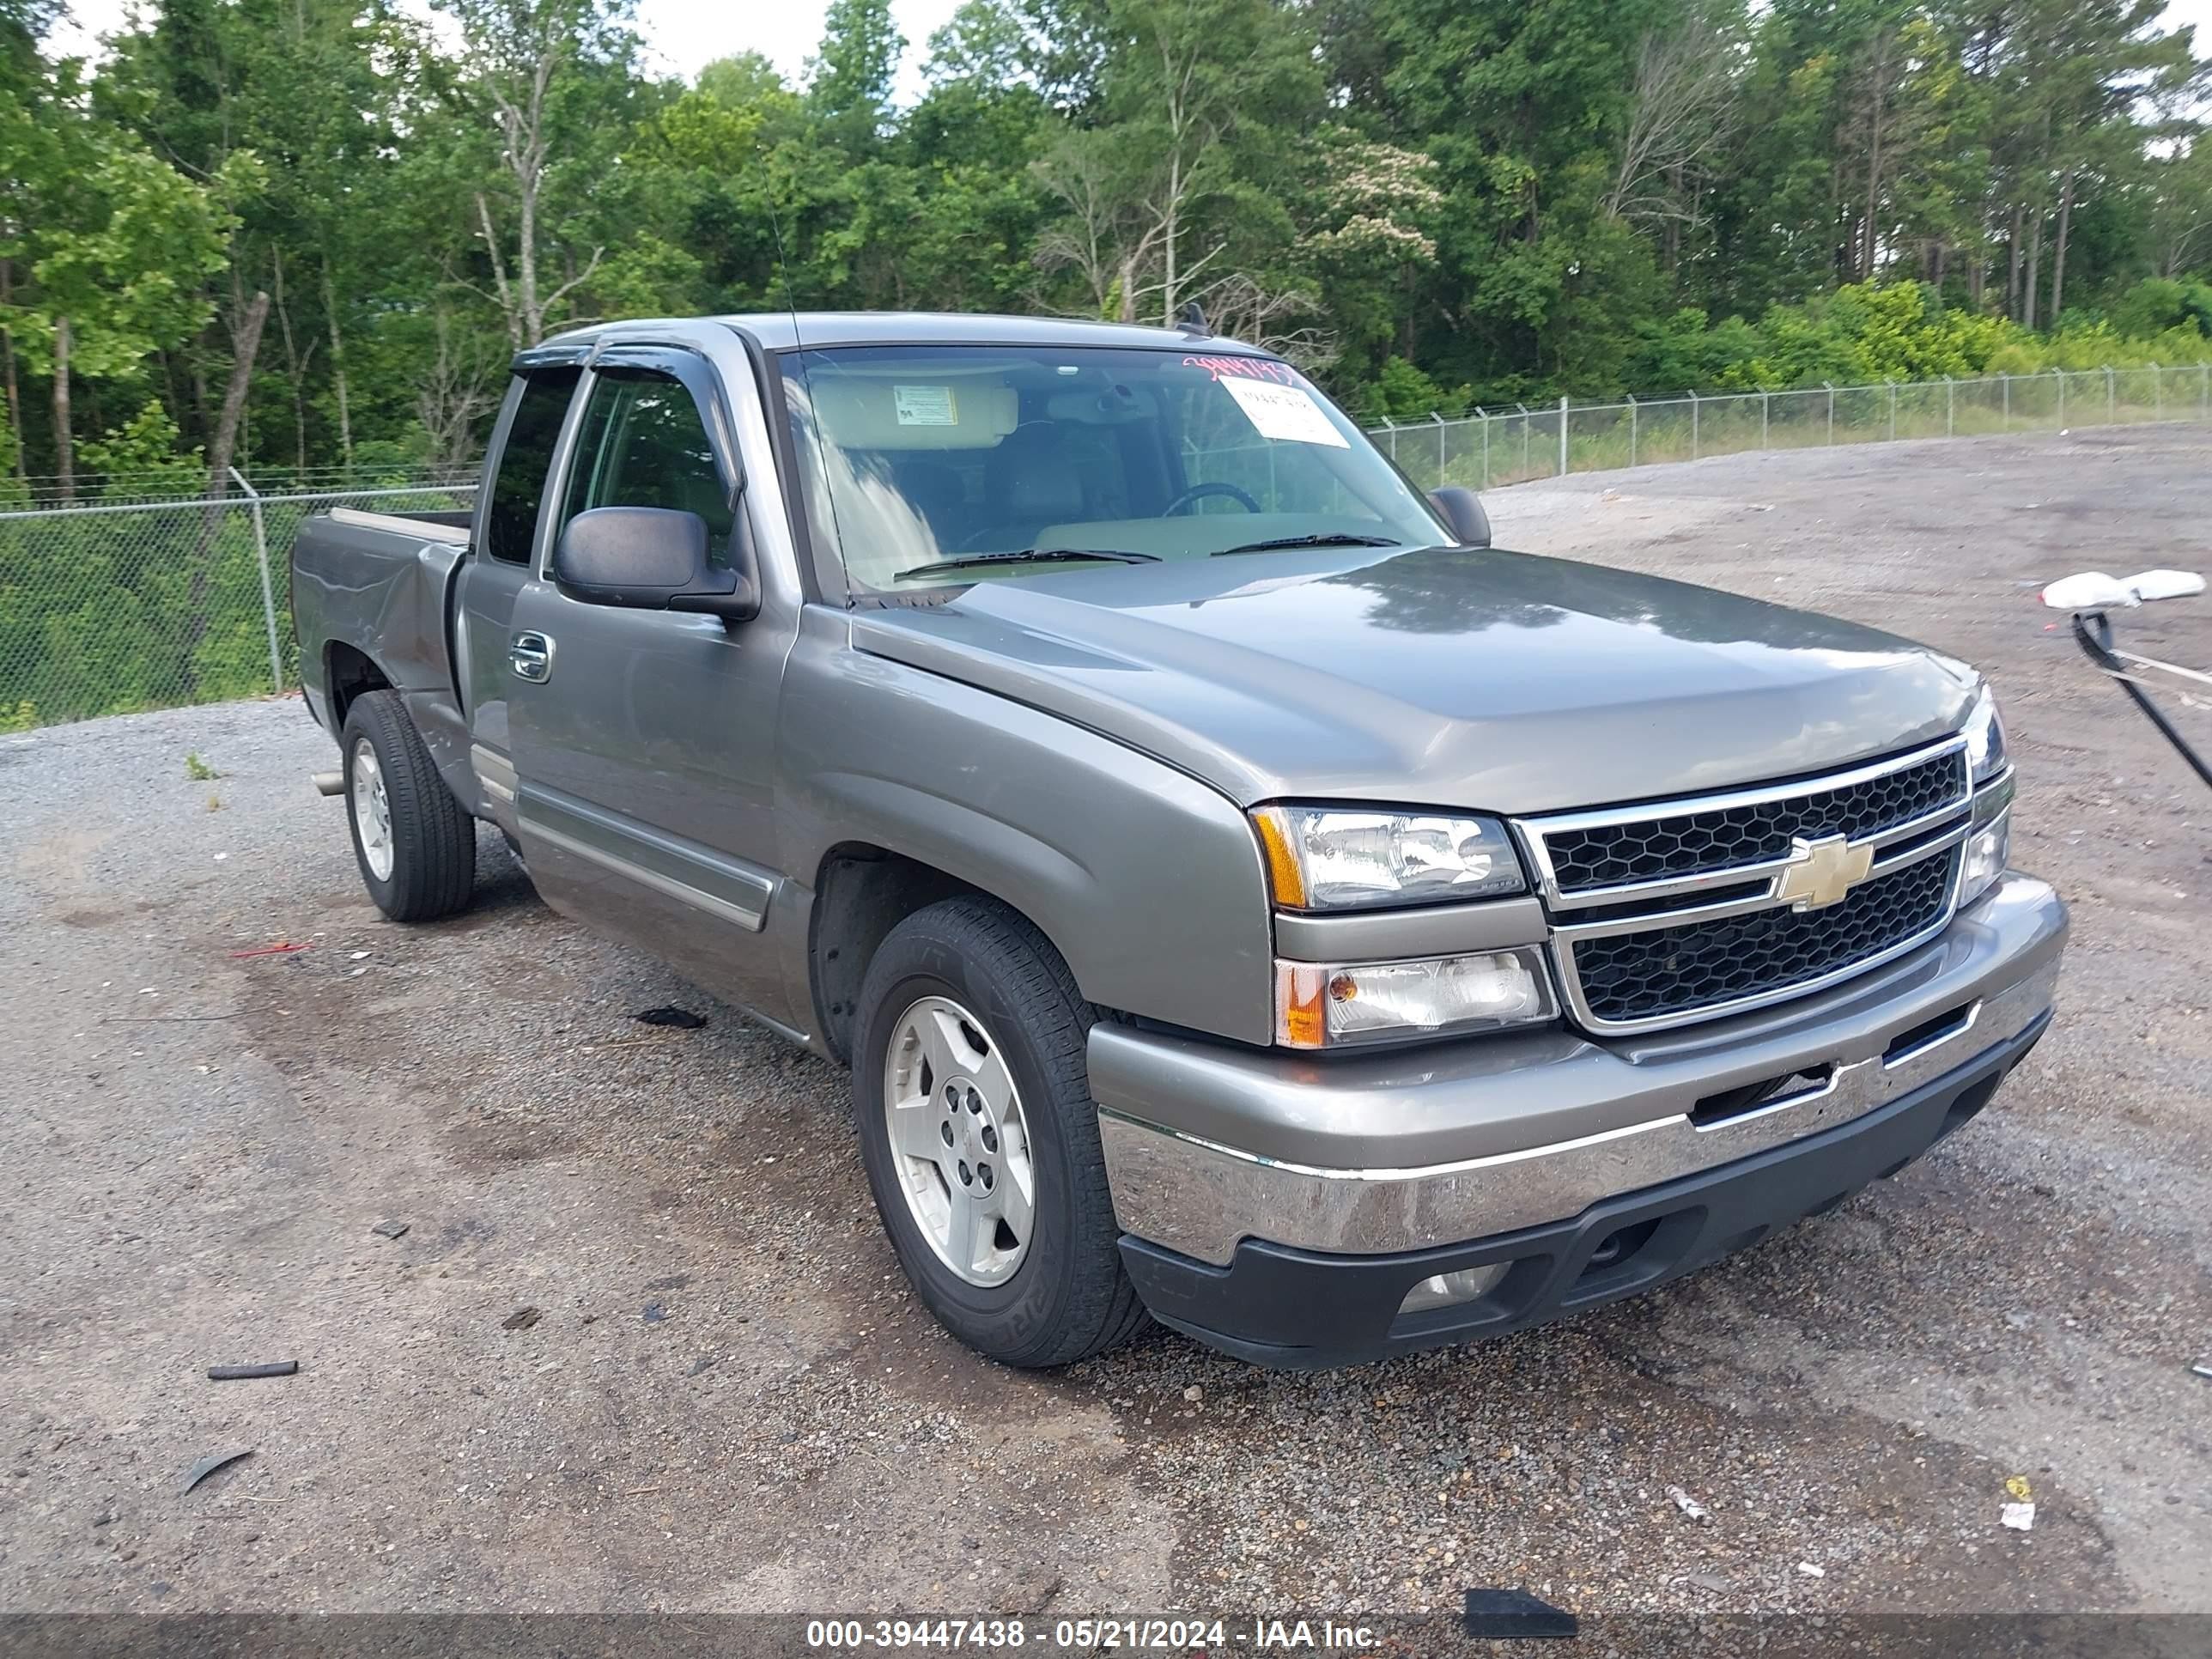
column 1989, row 841
column 1323, row 858
column 1320, row 1006
column 1985, row 743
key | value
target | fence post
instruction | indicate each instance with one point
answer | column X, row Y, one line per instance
column 2007, row 379
column 1892, row 385
column 1631, row 430
column 1439, row 420
column 1524, row 408
column 268, row 593
column 2204, row 388
column 1693, row 426
column 2060, row 374
column 1766, row 398
column 1831, row 384
column 1950, row 408
column 1485, row 419
column 1562, row 434
column 2111, row 398
column 1391, row 426
column 2157, row 392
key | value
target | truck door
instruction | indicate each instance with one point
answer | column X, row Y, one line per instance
column 645, row 759
column 490, row 660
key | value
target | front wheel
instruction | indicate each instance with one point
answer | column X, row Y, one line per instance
column 981, row 1138
column 415, row 848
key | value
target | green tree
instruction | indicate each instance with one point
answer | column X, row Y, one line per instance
column 850, row 94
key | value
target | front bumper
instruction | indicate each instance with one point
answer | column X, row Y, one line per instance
column 1278, row 1306
column 1219, row 1158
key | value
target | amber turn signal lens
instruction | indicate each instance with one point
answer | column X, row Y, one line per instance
column 1300, row 1022
column 1283, row 874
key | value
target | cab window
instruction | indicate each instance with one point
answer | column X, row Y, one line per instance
column 518, row 485
column 644, row 444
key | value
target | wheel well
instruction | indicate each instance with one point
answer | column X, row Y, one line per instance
column 347, row 672
column 860, row 893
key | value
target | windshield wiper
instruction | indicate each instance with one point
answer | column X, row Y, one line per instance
column 1033, row 555
column 1333, row 540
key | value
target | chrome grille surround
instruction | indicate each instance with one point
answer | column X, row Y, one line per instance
column 1581, row 910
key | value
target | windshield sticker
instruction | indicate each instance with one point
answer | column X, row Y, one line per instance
column 926, row 405
column 1284, row 412
column 1245, row 368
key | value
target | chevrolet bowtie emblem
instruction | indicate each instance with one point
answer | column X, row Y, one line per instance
column 1821, row 873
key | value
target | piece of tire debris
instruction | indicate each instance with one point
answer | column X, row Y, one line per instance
column 520, row 1320
column 1496, row 1616
column 390, row 1229
column 208, row 1465
column 243, row 1373
column 682, row 1019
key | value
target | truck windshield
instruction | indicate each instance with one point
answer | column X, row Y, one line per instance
column 918, row 459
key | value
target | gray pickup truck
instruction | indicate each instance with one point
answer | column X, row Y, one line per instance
column 1241, row 894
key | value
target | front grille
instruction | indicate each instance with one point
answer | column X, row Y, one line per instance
column 1674, row 972
column 1693, row 843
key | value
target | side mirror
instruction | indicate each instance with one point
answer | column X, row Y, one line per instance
column 1462, row 510
column 650, row 558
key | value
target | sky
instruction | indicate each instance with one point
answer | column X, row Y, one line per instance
column 687, row 34
column 683, row 35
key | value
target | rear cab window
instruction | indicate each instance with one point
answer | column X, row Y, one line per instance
column 518, row 482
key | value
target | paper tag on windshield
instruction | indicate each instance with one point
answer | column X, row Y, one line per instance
column 1288, row 412
column 926, row 405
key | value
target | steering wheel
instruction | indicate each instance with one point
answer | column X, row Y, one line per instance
column 1199, row 492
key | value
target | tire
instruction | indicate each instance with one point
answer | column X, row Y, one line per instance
column 1065, row 1297
column 424, row 866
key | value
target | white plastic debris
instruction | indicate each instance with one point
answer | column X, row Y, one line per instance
column 1689, row 1505
column 1812, row 1571
column 2093, row 590
column 2021, row 1517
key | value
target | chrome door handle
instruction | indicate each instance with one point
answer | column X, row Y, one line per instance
column 530, row 654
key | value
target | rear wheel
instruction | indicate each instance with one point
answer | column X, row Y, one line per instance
column 981, row 1138
column 415, row 848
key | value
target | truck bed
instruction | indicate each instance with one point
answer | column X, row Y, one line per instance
column 372, row 588
column 448, row 526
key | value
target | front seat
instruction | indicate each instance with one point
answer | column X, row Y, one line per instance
column 933, row 491
column 1028, row 485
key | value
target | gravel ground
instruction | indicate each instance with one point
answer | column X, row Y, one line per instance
column 642, row 1345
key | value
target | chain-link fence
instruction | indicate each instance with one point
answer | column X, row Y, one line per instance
column 1490, row 448
column 123, row 603
column 129, row 598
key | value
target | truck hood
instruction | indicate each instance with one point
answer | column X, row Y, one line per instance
column 1447, row 676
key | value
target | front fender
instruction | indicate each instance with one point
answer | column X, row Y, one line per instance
column 1148, row 882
